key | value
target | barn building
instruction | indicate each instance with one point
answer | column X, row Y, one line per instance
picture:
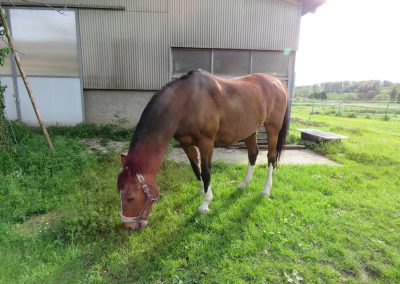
column 101, row 61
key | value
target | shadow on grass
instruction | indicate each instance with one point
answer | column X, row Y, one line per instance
column 191, row 257
column 175, row 244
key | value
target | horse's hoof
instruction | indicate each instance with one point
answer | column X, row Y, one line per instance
column 242, row 186
column 266, row 194
column 203, row 210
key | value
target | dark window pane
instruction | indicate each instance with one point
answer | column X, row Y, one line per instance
column 185, row 60
column 272, row 62
column 231, row 62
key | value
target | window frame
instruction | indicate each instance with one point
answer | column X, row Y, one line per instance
column 77, row 47
column 282, row 77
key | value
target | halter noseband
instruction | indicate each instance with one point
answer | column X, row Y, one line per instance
column 150, row 199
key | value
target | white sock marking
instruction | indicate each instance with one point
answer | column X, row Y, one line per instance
column 201, row 188
column 208, row 197
column 268, row 184
column 247, row 178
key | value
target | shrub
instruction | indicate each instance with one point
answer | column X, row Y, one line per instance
column 90, row 130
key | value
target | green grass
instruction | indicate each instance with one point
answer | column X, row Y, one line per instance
column 323, row 224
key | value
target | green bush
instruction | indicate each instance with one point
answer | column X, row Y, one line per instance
column 90, row 130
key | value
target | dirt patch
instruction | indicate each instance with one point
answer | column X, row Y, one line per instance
column 36, row 224
column 105, row 146
column 307, row 122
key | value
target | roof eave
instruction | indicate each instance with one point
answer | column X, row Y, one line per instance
column 310, row 6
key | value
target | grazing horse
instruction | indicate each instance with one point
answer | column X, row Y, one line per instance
column 201, row 110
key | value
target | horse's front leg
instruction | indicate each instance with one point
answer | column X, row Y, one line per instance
column 206, row 150
column 272, row 137
column 252, row 149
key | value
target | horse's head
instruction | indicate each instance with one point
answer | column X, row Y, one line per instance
column 136, row 197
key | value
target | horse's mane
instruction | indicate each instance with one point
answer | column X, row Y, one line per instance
column 146, row 119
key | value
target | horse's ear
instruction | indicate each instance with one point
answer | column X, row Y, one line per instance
column 123, row 159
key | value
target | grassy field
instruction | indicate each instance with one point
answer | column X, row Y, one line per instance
column 59, row 215
column 350, row 109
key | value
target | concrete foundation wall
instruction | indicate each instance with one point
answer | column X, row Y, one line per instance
column 113, row 106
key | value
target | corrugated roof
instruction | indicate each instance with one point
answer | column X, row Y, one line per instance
column 311, row 5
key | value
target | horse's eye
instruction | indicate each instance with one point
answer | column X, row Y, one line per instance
column 130, row 199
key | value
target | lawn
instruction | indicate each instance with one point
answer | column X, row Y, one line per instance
column 59, row 214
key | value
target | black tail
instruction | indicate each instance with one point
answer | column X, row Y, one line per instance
column 282, row 134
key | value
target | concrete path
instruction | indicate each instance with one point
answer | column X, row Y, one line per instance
column 239, row 156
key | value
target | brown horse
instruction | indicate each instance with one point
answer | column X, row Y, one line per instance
column 200, row 110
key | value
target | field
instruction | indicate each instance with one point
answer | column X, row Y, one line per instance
column 351, row 109
column 59, row 214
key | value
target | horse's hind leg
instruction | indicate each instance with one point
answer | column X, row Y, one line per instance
column 252, row 151
column 272, row 137
column 192, row 152
column 206, row 147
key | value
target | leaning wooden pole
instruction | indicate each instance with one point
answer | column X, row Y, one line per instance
column 23, row 75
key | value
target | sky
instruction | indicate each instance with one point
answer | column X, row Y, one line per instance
column 350, row 40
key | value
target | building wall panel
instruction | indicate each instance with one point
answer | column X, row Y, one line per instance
column 109, row 106
column 128, row 53
column 129, row 49
column 240, row 24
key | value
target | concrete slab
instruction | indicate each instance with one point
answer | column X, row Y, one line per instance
column 239, row 156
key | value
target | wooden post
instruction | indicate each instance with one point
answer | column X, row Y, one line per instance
column 23, row 75
column 386, row 111
column 312, row 111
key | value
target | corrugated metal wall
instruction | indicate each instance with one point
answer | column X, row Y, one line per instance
column 130, row 49
column 124, row 50
column 241, row 24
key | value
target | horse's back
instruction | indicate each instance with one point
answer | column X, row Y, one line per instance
column 227, row 109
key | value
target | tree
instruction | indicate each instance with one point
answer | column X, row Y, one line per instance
column 387, row 83
column 5, row 141
column 393, row 94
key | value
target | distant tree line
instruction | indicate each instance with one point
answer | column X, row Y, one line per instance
column 351, row 90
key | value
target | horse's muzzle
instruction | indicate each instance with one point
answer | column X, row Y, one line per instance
column 135, row 225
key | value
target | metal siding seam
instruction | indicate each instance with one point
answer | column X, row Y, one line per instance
column 268, row 37
column 263, row 24
column 278, row 26
column 229, row 28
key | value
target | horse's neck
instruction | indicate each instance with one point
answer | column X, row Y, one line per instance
column 156, row 128
column 147, row 154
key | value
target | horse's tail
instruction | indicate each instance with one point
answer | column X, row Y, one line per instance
column 282, row 134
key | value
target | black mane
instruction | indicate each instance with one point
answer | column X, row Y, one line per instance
column 146, row 119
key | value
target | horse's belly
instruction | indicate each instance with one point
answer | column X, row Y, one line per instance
column 235, row 133
column 240, row 119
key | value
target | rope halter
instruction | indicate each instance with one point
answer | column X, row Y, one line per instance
column 150, row 199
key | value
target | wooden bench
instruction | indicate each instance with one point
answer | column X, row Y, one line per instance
column 319, row 136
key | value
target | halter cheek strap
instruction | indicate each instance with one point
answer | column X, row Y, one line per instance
column 150, row 199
